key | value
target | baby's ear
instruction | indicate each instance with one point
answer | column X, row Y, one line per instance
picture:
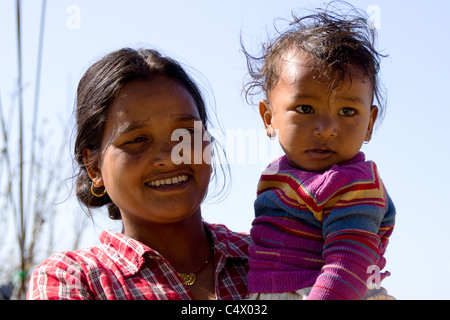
column 372, row 119
column 266, row 116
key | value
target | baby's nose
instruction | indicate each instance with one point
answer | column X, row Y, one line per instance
column 326, row 127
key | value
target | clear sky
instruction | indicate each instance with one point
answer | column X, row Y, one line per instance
column 409, row 147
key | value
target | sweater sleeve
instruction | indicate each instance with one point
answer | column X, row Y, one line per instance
column 347, row 254
column 351, row 221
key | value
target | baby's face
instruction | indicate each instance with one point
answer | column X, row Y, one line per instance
column 317, row 125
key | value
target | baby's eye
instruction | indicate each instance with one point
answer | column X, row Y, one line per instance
column 347, row 112
column 305, row 109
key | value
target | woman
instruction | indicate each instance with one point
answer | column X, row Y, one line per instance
column 130, row 104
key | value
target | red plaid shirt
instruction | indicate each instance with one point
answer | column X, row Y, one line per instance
column 125, row 269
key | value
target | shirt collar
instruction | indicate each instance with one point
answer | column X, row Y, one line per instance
column 230, row 244
column 129, row 255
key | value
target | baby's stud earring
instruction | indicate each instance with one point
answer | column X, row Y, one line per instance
column 271, row 134
column 367, row 140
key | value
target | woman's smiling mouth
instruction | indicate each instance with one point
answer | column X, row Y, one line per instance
column 168, row 181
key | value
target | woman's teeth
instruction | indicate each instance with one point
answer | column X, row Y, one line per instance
column 178, row 179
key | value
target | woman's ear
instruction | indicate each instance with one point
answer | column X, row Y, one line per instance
column 266, row 116
column 91, row 165
column 372, row 118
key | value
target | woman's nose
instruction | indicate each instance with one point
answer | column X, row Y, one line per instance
column 162, row 154
column 325, row 127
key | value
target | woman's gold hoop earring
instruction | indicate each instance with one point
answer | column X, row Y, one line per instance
column 97, row 194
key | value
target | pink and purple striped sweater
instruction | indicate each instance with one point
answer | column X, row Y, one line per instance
column 319, row 229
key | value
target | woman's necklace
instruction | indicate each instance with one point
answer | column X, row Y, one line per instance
column 190, row 278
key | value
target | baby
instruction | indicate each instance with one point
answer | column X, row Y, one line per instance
column 323, row 216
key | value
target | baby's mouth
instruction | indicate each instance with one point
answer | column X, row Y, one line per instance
column 321, row 150
column 320, row 153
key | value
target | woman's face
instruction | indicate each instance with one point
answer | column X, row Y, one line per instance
column 135, row 163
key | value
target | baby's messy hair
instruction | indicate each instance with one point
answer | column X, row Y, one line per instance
column 332, row 36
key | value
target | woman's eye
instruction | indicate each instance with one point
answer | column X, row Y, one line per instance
column 181, row 133
column 305, row 109
column 347, row 112
column 137, row 140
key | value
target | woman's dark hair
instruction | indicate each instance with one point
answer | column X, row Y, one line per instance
column 97, row 90
column 334, row 38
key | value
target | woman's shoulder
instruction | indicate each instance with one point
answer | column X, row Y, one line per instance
column 79, row 261
column 62, row 270
column 80, row 270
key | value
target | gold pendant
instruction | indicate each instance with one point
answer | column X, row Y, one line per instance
column 189, row 279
